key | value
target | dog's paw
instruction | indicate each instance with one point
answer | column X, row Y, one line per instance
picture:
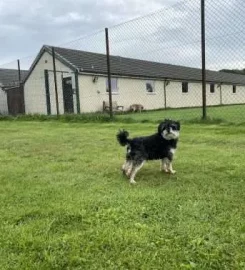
column 132, row 182
column 169, row 171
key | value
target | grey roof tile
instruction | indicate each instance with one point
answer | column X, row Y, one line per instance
column 10, row 77
column 96, row 63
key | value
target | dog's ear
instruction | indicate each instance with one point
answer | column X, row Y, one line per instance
column 161, row 126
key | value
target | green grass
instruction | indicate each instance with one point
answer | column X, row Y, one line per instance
column 227, row 114
column 67, row 118
column 65, row 205
column 233, row 114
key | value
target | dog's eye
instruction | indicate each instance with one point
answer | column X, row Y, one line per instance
column 174, row 128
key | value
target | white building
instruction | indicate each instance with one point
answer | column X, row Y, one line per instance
column 82, row 83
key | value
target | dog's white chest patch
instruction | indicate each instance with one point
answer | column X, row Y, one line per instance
column 172, row 150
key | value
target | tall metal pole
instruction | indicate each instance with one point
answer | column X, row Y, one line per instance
column 55, row 82
column 19, row 74
column 21, row 88
column 77, row 91
column 203, row 49
column 108, row 70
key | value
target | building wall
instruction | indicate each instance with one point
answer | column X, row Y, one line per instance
column 34, row 88
column 3, row 102
column 177, row 99
column 91, row 93
column 130, row 91
column 212, row 98
column 228, row 97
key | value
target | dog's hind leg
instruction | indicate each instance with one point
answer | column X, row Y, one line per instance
column 136, row 167
column 127, row 167
column 124, row 166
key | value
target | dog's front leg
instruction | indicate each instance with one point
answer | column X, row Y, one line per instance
column 166, row 166
column 170, row 168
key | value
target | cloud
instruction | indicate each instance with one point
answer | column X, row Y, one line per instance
column 25, row 27
column 171, row 35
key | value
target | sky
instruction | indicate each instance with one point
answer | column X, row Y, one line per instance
column 165, row 31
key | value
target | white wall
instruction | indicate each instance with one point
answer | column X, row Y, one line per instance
column 91, row 94
column 177, row 99
column 212, row 98
column 130, row 91
column 34, row 88
column 228, row 97
column 3, row 102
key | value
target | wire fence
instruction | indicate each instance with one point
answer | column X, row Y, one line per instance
column 171, row 63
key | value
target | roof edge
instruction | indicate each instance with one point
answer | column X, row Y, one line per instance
column 47, row 48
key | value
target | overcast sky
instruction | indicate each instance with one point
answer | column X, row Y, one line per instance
column 171, row 35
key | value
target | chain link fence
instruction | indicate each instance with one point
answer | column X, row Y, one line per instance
column 155, row 66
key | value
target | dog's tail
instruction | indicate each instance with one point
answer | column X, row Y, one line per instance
column 122, row 137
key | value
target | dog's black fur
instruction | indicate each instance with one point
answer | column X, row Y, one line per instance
column 160, row 145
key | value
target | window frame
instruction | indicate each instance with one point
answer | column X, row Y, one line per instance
column 113, row 90
column 152, row 84
column 185, row 87
column 233, row 89
column 212, row 88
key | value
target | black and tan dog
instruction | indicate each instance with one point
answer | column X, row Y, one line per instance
column 161, row 145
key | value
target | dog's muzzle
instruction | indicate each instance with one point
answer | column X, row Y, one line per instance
column 170, row 135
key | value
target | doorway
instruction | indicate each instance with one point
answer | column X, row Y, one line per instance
column 68, row 95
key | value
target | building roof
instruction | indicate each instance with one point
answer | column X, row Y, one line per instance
column 10, row 77
column 95, row 63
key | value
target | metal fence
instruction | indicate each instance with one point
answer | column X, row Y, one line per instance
column 185, row 61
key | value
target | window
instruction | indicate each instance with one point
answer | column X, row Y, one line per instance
column 150, row 86
column 212, row 89
column 114, row 88
column 184, row 87
column 234, row 89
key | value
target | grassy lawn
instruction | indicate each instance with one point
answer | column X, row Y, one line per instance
column 65, row 204
column 230, row 114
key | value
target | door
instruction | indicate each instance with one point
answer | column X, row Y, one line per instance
column 68, row 95
column 15, row 98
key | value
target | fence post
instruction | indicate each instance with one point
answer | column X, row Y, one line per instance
column 77, row 91
column 55, row 82
column 108, row 70
column 21, row 88
column 19, row 74
column 46, row 78
column 203, row 50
